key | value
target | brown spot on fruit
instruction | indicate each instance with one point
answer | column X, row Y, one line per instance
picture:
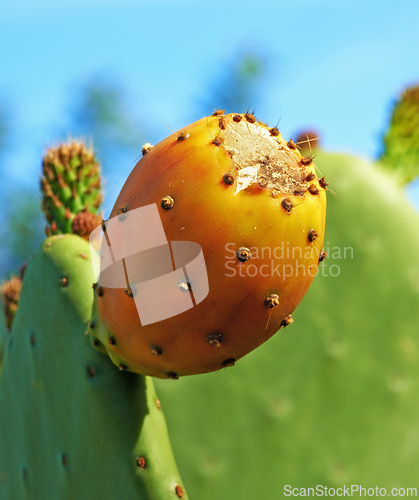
column 228, row 179
column 156, row 350
column 309, row 177
column 323, row 182
column 91, row 371
column 99, row 291
column 272, row 301
column 182, row 135
column 64, row 281
column 313, row 189
column 217, row 141
column 291, row 144
column 322, row 256
column 307, row 160
column 215, row 339
column 141, row 463
column 123, row 367
column 222, row 123
column 237, row 118
column 287, row 321
column 243, row 254
column 299, row 192
column 111, row 340
column 287, row 205
column 218, row 112
column 172, row 375
column 167, row 203
column 274, row 131
column 146, row 148
column 249, row 117
column 312, row 235
column 229, row 362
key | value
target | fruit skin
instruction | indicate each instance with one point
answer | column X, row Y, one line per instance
column 401, row 140
column 70, row 184
column 185, row 176
column 71, row 426
column 332, row 400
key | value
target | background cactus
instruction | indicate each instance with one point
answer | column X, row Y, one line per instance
column 330, row 400
column 401, row 140
column 71, row 187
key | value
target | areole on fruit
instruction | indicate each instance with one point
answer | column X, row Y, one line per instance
column 227, row 193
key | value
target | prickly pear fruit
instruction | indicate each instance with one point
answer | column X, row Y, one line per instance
column 401, row 141
column 249, row 206
column 70, row 184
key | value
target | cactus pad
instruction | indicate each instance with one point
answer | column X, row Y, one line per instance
column 71, row 426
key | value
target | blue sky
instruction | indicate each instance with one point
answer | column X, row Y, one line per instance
column 335, row 66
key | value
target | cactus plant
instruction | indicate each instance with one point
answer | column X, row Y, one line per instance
column 331, row 400
column 401, row 141
column 71, row 426
column 70, row 185
column 237, row 190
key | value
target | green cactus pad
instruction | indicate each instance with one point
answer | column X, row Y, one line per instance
column 401, row 141
column 70, row 185
column 333, row 398
column 3, row 336
column 71, row 425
